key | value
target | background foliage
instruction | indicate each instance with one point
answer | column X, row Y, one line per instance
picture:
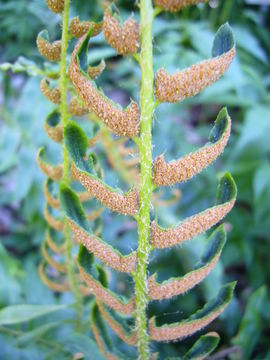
column 179, row 40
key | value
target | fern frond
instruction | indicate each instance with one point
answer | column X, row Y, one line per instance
column 57, row 287
column 54, row 201
column 77, row 144
column 52, row 94
column 81, row 167
column 54, row 222
column 50, row 198
column 79, row 28
column 61, row 267
column 176, row 5
column 196, row 322
column 51, row 51
column 82, row 232
column 53, row 172
column 124, row 39
column 122, row 122
column 173, row 199
column 199, row 223
column 100, row 288
column 176, row 286
column 103, row 251
column 76, row 108
column 100, row 334
column 115, row 151
column 192, row 164
column 95, row 214
column 189, row 82
column 95, row 71
column 53, row 126
column 57, row 248
column 117, row 327
column 56, row 6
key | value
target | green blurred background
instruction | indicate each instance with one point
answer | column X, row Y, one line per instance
column 179, row 40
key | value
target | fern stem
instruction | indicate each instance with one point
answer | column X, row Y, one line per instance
column 63, row 85
column 147, row 108
column 66, row 177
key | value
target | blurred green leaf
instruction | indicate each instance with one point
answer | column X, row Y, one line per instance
column 249, row 42
column 251, row 325
column 9, row 142
column 37, row 333
column 10, row 276
column 78, row 343
column 20, row 313
column 255, row 131
column 261, row 180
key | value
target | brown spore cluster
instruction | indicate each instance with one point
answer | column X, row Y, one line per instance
column 190, row 165
column 51, row 94
column 176, row 5
column 53, row 172
column 79, row 28
column 189, row 82
column 126, row 204
column 175, row 287
column 190, row 227
column 116, row 327
column 124, row 39
column 121, row 122
column 76, row 108
column 51, row 51
column 95, row 71
column 103, row 251
column 107, row 296
column 56, row 6
column 181, row 330
column 54, row 132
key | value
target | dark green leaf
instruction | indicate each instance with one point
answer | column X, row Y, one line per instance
column 226, row 190
column 224, row 40
column 203, row 347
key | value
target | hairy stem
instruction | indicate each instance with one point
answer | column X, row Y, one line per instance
column 66, row 177
column 147, row 108
column 63, row 85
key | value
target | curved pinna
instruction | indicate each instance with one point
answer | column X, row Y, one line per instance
column 123, row 122
column 190, row 165
column 77, row 220
column 189, row 82
column 77, row 144
column 199, row 223
column 176, row 286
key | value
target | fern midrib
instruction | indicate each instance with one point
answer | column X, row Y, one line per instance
column 66, row 171
column 146, row 187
